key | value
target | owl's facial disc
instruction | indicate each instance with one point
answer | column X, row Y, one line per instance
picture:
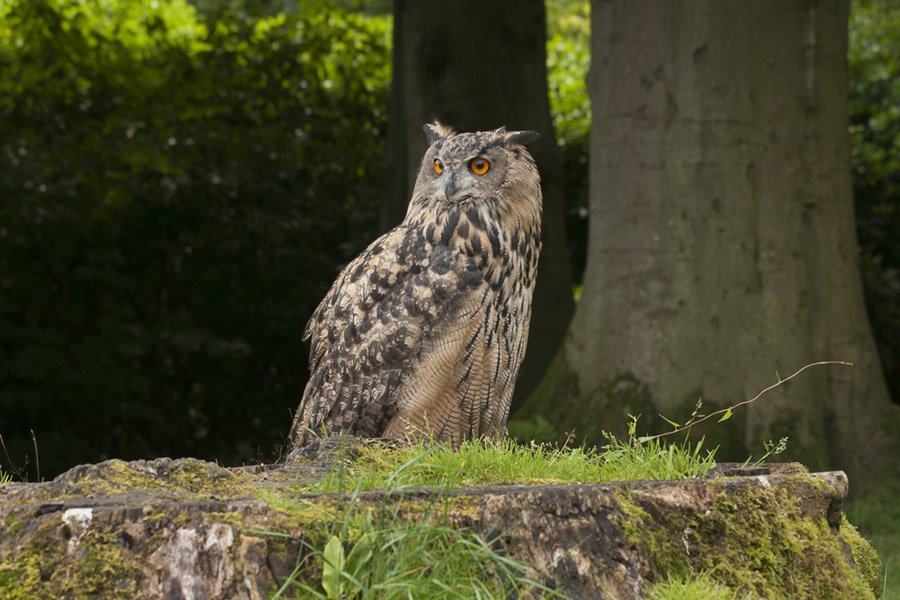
column 465, row 166
column 460, row 179
column 459, row 182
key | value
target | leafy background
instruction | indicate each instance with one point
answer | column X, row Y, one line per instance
column 181, row 185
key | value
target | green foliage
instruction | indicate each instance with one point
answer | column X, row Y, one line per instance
column 477, row 463
column 179, row 188
column 397, row 559
column 535, row 428
column 874, row 60
column 568, row 60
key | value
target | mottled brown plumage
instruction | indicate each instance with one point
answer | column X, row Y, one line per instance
column 423, row 333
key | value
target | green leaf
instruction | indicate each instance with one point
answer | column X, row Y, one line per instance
column 669, row 421
column 726, row 416
column 333, row 559
column 360, row 556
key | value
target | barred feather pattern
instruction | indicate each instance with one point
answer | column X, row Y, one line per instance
column 424, row 332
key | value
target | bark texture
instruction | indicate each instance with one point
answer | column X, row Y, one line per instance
column 188, row 529
column 722, row 245
column 473, row 67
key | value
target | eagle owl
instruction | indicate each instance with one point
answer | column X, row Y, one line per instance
column 423, row 333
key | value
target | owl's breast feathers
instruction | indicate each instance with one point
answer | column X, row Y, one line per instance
column 424, row 331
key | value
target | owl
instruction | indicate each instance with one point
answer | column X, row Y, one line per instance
column 423, row 333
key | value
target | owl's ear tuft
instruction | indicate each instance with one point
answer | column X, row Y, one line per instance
column 436, row 131
column 521, row 137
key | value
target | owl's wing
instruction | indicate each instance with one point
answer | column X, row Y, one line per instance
column 368, row 332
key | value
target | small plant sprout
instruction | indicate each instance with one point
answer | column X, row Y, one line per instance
column 771, row 449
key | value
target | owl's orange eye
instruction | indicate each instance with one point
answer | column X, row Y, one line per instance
column 438, row 166
column 479, row 165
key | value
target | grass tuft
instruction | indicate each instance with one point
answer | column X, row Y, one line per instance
column 699, row 587
column 505, row 462
column 396, row 559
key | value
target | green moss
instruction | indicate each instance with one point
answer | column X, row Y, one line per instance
column 865, row 557
column 298, row 512
column 189, row 477
column 23, row 574
column 98, row 566
column 652, row 538
column 104, row 568
column 757, row 542
column 11, row 526
column 20, row 576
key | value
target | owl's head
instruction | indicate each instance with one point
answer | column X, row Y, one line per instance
column 461, row 168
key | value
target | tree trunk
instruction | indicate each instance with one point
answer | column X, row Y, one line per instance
column 471, row 66
column 722, row 250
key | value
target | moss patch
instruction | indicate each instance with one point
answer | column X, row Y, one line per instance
column 642, row 530
column 865, row 557
column 758, row 543
column 190, row 478
column 99, row 565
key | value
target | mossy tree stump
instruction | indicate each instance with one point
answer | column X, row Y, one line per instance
column 190, row 529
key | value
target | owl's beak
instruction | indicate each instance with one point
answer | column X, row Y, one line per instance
column 449, row 185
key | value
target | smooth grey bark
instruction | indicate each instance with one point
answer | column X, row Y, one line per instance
column 722, row 249
column 477, row 66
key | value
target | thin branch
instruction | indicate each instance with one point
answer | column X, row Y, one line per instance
column 717, row 413
column 37, row 456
